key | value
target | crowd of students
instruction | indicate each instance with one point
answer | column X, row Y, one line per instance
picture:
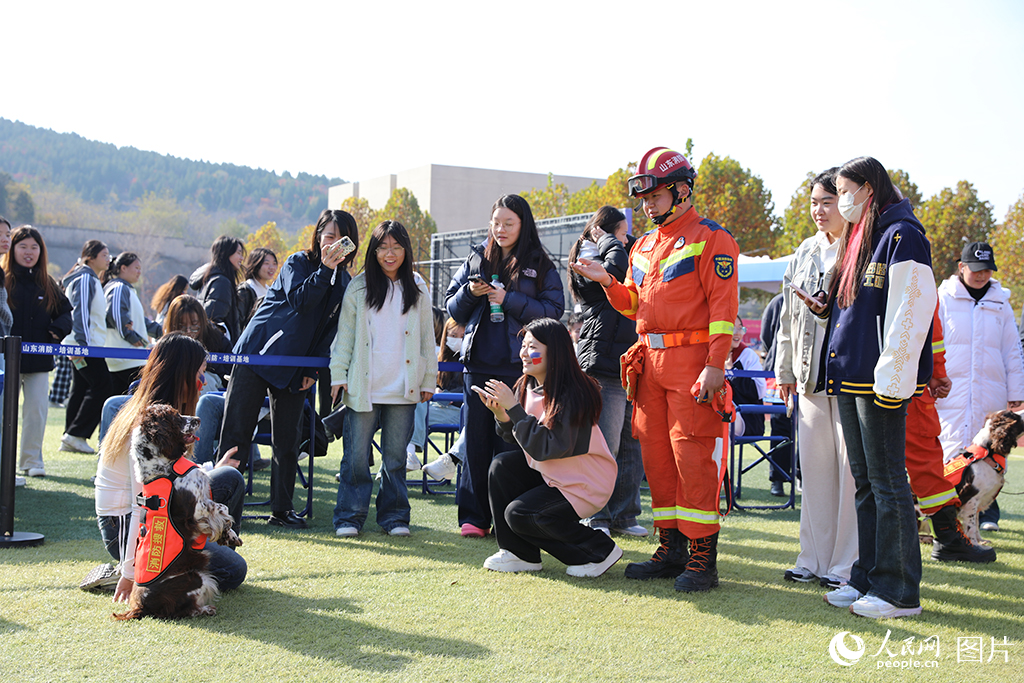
column 559, row 425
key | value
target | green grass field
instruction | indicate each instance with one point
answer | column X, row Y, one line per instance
column 318, row 608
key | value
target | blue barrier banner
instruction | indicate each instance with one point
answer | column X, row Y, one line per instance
column 143, row 354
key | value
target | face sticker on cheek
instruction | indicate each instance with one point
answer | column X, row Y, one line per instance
column 535, row 357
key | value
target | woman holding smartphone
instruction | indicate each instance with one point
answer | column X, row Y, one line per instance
column 525, row 287
column 299, row 317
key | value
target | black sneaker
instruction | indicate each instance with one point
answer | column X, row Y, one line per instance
column 288, row 520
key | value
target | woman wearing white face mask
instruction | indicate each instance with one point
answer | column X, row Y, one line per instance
column 877, row 356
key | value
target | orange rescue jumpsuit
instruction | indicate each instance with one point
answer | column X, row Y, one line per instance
column 924, row 452
column 682, row 284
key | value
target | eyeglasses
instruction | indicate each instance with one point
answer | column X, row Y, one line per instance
column 508, row 225
column 396, row 250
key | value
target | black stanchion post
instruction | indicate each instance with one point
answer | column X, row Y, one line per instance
column 9, row 538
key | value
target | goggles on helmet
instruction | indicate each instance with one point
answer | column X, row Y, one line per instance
column 642, row 184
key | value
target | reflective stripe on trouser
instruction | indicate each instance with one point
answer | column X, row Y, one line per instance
column 680, row 440
column 924, row 458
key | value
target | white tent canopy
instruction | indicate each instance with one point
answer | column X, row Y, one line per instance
column 762, row 272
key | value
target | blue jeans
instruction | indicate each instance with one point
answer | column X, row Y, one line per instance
column 210, row 411
column 616, row 425
column 889, row 565
column 111, row 407
column 396, row 422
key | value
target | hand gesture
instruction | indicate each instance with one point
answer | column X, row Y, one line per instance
column 592, row 270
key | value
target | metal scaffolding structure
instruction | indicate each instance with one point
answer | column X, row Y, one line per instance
column 448, row 250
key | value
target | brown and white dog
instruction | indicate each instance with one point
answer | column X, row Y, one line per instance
column 977, row 471
column 172, row 580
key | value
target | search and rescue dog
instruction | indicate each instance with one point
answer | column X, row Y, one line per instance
column 978, row 471
column 171, row 577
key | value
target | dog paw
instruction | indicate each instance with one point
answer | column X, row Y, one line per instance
column 231, row 539
column 205, row 611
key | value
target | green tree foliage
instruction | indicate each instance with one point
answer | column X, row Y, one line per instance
column 101, row 172
column 908, row 189
column 302, row 240
column 269, row 237
column 953, row 218
column 797, row 224
column 158, row 215
column 551, row 201
column 232, row 227
column 366, row 221
column 614, row 192
column 5, row 180
column 737, row 200
column 24, row 208
column 1007, row 242
column 404, row 208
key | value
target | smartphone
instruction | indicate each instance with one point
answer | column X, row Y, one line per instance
column 483, row 394
column 799, row 292
column 343, row 246
column 477, row 280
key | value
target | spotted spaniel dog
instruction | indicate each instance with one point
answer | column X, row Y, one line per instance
column 182, row 586
column 978, row 471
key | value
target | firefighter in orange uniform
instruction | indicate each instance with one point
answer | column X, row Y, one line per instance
column 682, row 291
column 936, row 496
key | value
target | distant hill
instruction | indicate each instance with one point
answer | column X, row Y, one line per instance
column 100, row 172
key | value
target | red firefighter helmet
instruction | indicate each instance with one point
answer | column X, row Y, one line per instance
column 660, row 166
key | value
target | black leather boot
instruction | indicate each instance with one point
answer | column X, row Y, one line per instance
column 702, row 568
column 668, row 562
column 951, row 545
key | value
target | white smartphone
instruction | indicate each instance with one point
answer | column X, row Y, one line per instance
column 800, row 293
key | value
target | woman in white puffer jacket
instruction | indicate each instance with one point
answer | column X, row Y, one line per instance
column 983, row 354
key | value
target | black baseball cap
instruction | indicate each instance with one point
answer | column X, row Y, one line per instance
column 979, row 256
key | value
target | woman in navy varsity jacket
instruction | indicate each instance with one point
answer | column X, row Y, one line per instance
column 876, row 357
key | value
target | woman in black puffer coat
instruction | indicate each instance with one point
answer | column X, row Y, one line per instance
column 605, row 336
column 42, row 314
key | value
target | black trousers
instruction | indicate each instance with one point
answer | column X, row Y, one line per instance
column 530, row 516
column 90, row 387
column 242, row 402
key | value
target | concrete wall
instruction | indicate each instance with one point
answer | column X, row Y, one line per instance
column 162, row 257
column 458, row 197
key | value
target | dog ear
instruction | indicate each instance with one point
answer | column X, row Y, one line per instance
column 1005, row 427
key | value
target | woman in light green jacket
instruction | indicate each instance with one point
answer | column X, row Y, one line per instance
column 383, row 363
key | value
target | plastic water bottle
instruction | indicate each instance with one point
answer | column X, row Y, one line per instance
column 497, row 315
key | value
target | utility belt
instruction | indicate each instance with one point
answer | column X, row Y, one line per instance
column 670, row 339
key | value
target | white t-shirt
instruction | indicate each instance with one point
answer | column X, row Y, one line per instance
column 387, row 344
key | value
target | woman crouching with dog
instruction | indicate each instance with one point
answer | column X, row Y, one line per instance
column 171, row 376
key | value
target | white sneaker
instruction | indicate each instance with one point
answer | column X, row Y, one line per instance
column 75, row 444
column 843, row 597
column 989, row 526
column 35, row 472
column 504, row 561
column 412, row 462
column 19, row 481
column 346, row 531
column 874, row 607
column 635, row 530
column 444, row 467
column 400, row 531
column 592, row 569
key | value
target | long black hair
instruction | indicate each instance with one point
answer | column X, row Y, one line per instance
column 51, row 290
column 221, row 251
column 346, row 226
column 606, row 218
column 569, row 393
column 377, row 283
column 528, row 251
column 856, row 239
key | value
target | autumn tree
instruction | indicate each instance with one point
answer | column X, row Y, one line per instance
column 302, row 239
column 951, row 219
column 797, row 224
column 737, row 200
column 404, row 208
column 908, row 189
column 24, row 208
column 269, row 237
column 366, row 221
column 1008, row 244
column 549, row 202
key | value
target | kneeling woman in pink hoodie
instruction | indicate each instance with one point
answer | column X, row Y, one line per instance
column 561, row 472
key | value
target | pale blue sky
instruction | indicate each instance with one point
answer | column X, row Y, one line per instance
column 357, row 90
